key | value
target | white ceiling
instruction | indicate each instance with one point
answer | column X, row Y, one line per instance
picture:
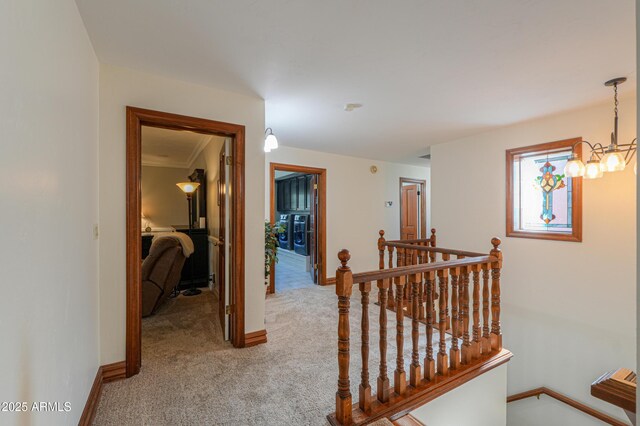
column 171, row 148
column 427, row 71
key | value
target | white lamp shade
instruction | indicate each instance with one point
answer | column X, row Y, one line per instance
column 270, row 142
column 613, row 161
column 593, row 170
column 574, row 168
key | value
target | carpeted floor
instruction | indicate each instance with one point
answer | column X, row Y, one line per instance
column 190, row 376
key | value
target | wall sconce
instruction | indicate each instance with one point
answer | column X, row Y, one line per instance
column 613, row 158
column 270, row 140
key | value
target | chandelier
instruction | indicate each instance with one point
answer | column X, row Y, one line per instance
column 613, row 158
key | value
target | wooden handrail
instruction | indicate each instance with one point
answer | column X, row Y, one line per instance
column 569, row 401
column 382, row 274
column 432, row 249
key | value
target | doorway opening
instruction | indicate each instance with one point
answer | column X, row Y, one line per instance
column 413, row 209
column 298, row 203
column 197, row 215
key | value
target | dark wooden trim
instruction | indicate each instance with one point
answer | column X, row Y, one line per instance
column 322, row 213
column 423, row 204
column 105, row 373
column 115, row 371
column 399, row 406
column 330, row 281
column 576, row 235
column 136, row 118
column 255, row 338
column 569, row 401
column 91, row 406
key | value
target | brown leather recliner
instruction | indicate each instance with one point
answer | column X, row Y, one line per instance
column 161, row 271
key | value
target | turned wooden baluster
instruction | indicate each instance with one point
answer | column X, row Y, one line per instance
column 496, row 333
column 414, row 371
column 466, row 341
column 400, row 258
column 475, row 344
column 408, row 294
column 421, row 299
column 454, row 352
column 486, row 338
column 390, row 300
column 432, row 259
column 383, row 379
column 365, row 388
column 381, row 242
column 400, row 377
column 445, row 258
column 443, row 365
column 429, row 363
column 344, row 284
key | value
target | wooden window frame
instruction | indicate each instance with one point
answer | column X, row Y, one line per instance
column 136, row 118
column 576, row 219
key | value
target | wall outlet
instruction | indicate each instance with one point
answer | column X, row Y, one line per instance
column 388, row 203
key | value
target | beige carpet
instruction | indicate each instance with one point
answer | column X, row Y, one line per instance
column 190, row 376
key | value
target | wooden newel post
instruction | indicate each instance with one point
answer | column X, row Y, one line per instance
column 433, row 237
column 496, row 333
column 344, row 284
column 381, row 242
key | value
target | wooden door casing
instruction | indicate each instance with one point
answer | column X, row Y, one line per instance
column 420, row 208
column 221, row 248
column 409, row 209
column 313, row 219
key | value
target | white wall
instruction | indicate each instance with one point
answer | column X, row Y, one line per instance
column 568, row 308
column 48, row 192
column 355, row 201
column 120, row 87
column 479, row 402
column 163, row 203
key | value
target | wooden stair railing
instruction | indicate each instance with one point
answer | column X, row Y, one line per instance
column 416, row 276
column 570, row 402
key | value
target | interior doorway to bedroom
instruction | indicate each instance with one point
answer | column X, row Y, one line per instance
column 298, row 205
column 185, row 234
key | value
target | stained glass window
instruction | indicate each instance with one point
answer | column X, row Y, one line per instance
column 541, row 197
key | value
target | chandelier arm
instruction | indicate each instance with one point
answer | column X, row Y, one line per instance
column 631, row 151
column 583, row 141
column 596, row 149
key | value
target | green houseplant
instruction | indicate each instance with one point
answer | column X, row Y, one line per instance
column 271, row 244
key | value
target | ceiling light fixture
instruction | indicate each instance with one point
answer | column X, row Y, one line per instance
column 351, row 107
column 613, row 158
column 270, row 140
